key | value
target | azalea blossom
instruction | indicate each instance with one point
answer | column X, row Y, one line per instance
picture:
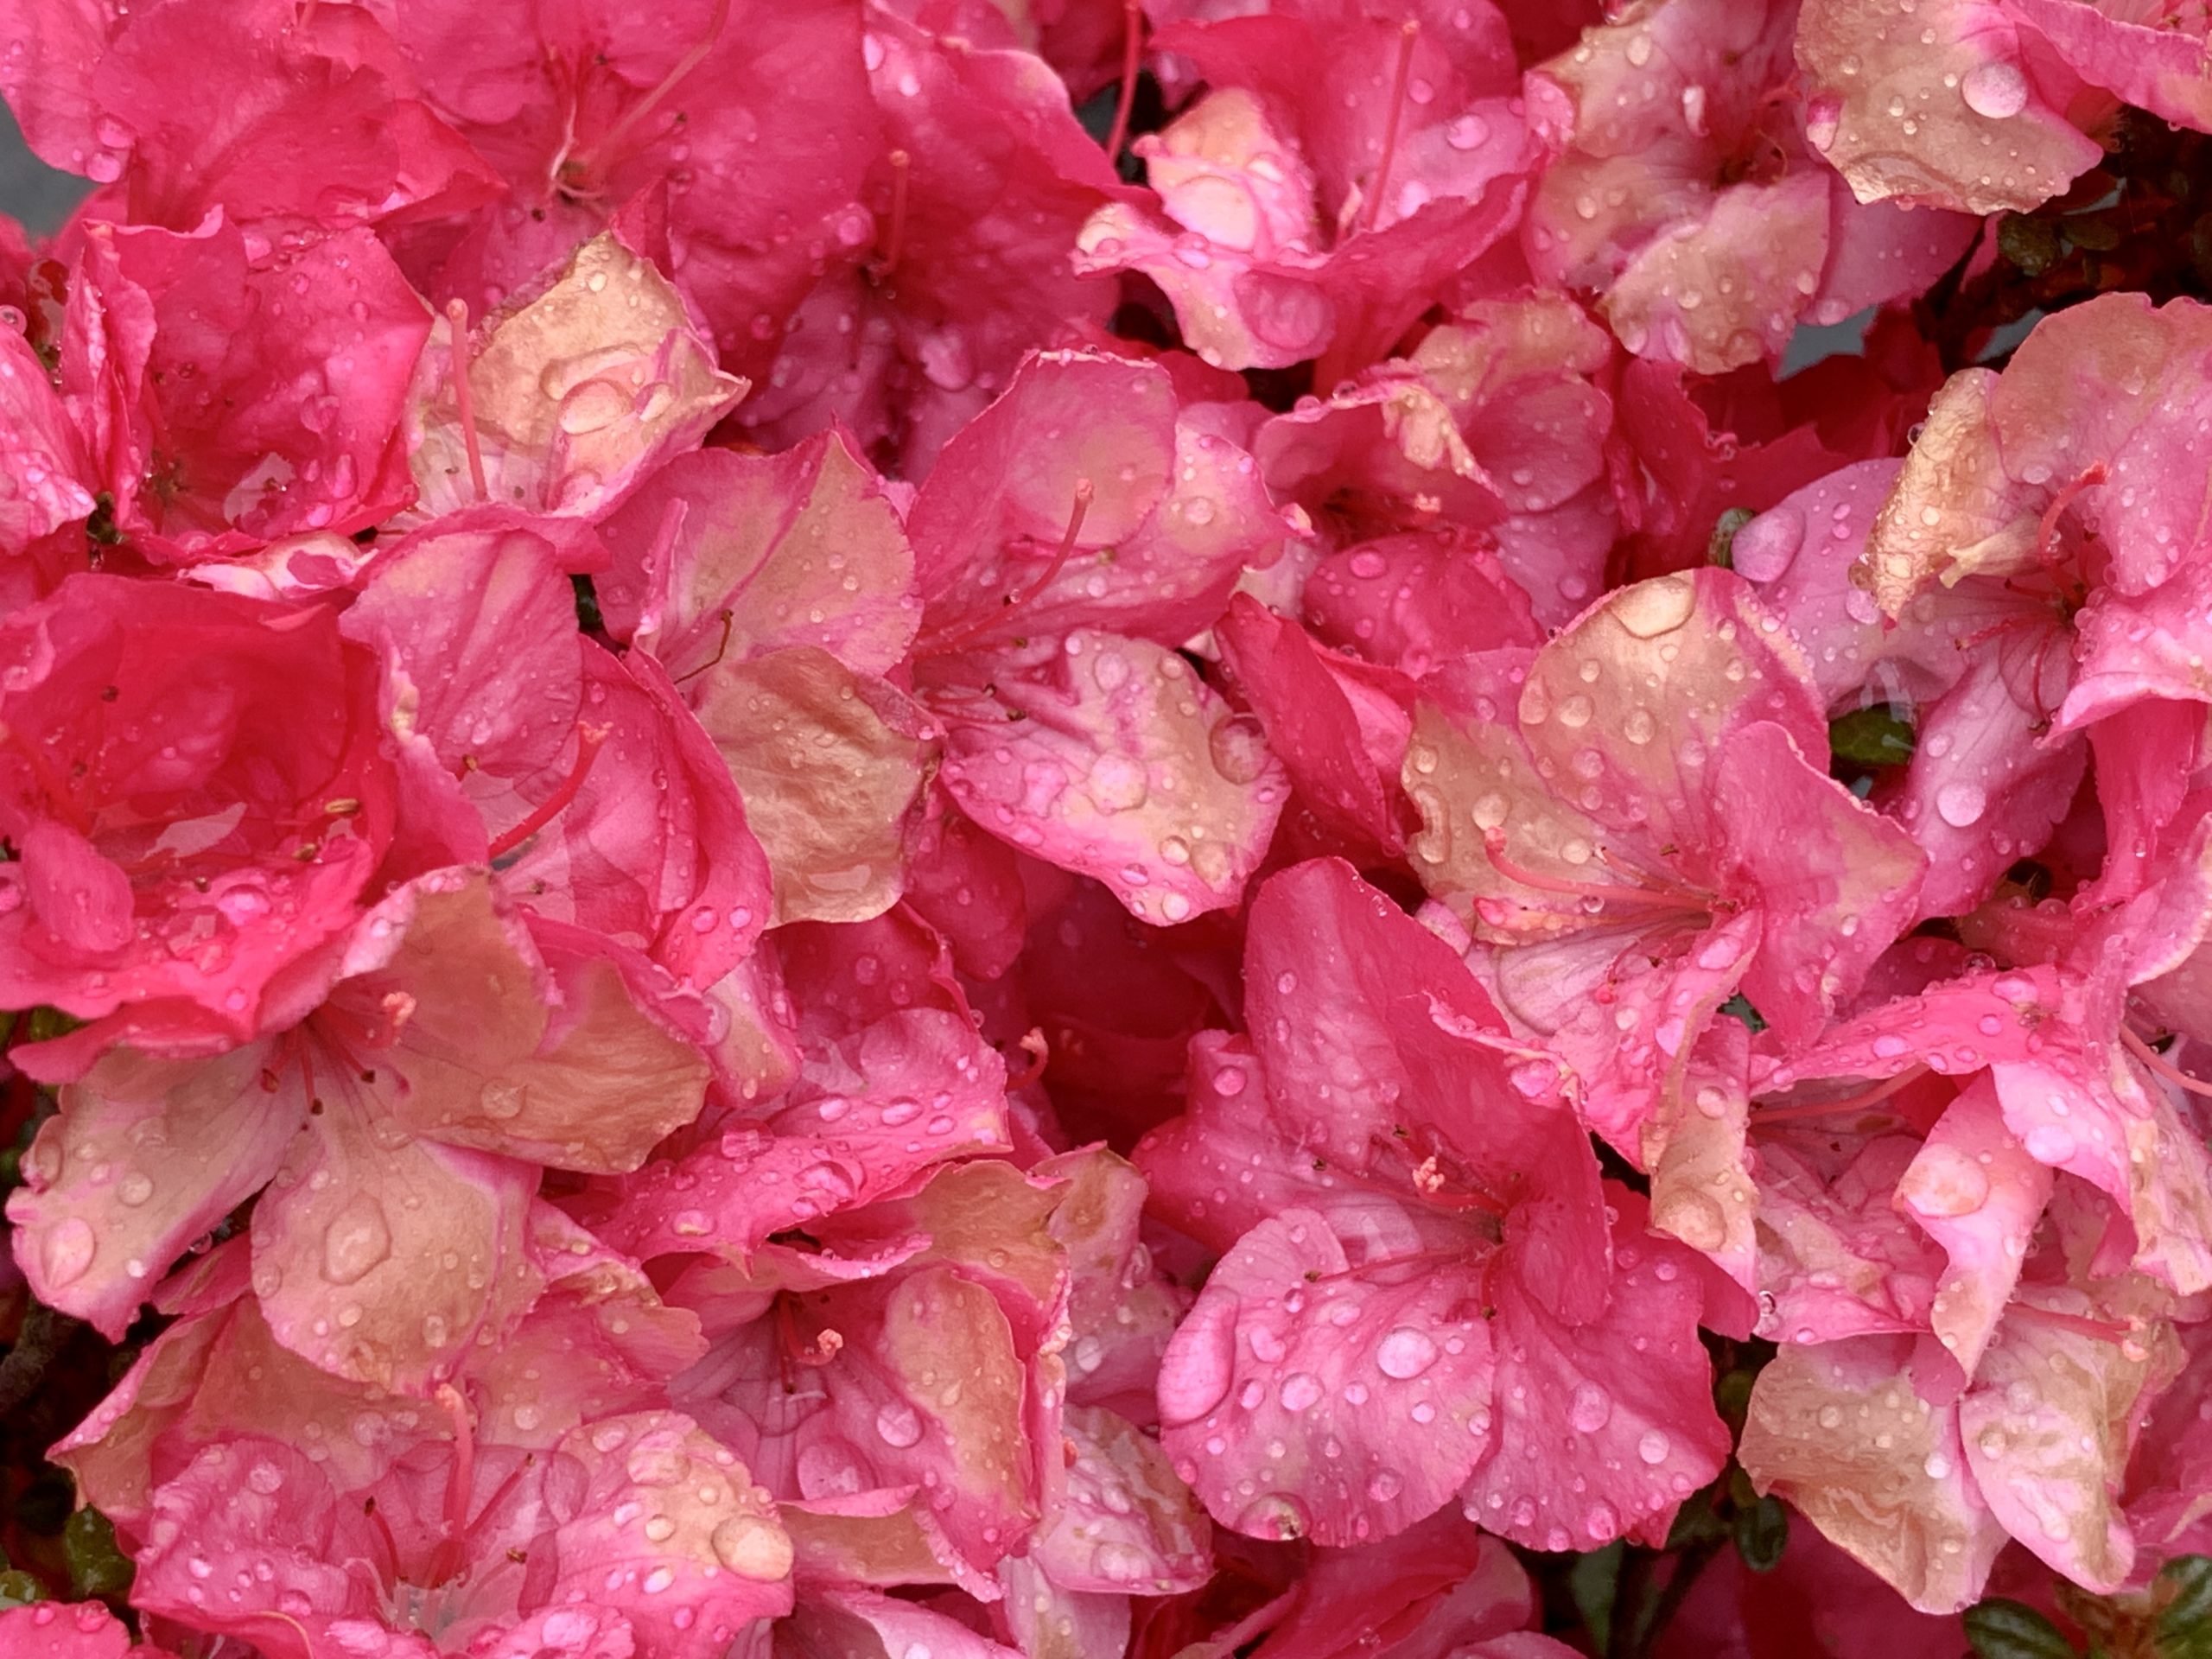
column 1055, row 828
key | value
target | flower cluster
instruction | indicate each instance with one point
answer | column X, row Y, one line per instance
column 802, row 861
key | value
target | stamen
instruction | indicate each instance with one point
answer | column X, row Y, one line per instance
column 894, row 239
column 2047, row 529
column 2102, row 1330
column 392, row 1573
column 1408, row 33
column 1039, row 1052
column 1881, row 1091
column 589, row 738
column 729, row 624
column 587, row 165
column 457, row 321
column 982, row 624
column 1494, row 847
column 1131, row 39
column 461, row 1478
column 2164, row 1067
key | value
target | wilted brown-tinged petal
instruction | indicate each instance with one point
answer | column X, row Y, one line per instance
column 1953, row 510
column 1930, row 100
column 499, row 1045
column 145, row 1155
column 572, row 395
column 2048, row 1425
column 829, row 768
column 721, row 557
column 1723, row 287
column 1702, row 1191
column 1840, row 1432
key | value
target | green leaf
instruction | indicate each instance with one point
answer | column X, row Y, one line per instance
column 1997, row 1629
column 2032, row 245
column 1872, row 737
column 1762, row 1534
column 2185, row 1622
column 1594, row 1581
column 1720, row 549
column 97, row 1570
column 587, row 616
column 1739, row 1007
column 20, row 1590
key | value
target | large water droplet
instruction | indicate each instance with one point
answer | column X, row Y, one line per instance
column 1405, row 1353
column 899, row 1424
column 1961, row 804
column 357, row 1240
column 69, row 1251
column 1944, row 1181
column 1590, row 1409
column 753, row 1547
column 1117, row 784
column 1998, row 90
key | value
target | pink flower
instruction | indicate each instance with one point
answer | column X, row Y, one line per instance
column 1421, row 1293
column 231, row 394
column 197, row 802
column 1339, row 173
column 1684, row 194
column 1602, row 814
column 547, row 1493
column 399, row 1128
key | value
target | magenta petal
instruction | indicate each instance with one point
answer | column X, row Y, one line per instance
column 144, row 1157
column 1603, row 1428
column 1306, row 1395
column 1111, row 759
column 1976, row 1191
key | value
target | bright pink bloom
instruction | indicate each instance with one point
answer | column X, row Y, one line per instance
column 954, row 262
column 898, row 1389
column 1606, row 815
column 548, row 1492
column 1684, row 193
column 399, row 1128
column 1056, row 586
column 197, row 801
column 697, row 117
column 1421, row 1292
column 1338, row 176
column 229, row 395
column 275, row 115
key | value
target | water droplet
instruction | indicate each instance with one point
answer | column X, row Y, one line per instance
column 1300, row 1390
column 1658, row 606
column 1960, row 804
column 357, row 1241
column 501, row 1099
column 1405, row 1353
column 753, row 1547
column 899, row 1424
column 1590, row 1409
column 1998, row 90
column 1944, row 1181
